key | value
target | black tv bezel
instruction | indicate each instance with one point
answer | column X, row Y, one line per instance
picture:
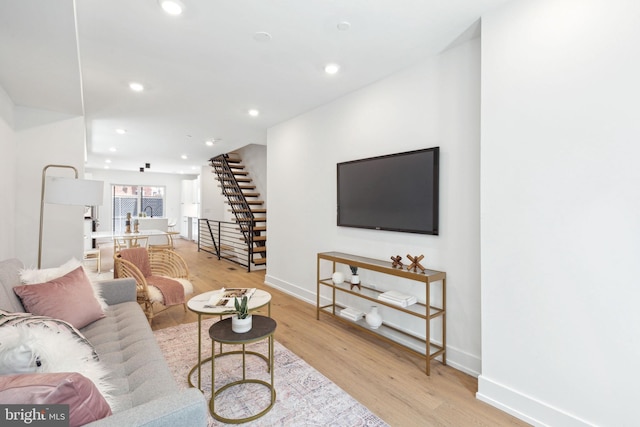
column 436, row 192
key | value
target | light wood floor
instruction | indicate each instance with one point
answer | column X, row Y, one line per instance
column 388, row 381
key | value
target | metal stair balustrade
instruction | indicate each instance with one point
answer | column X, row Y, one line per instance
column 224, row 240
column 237, row 187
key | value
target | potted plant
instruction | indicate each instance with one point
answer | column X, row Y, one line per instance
column 355, row 279
column 241, row 320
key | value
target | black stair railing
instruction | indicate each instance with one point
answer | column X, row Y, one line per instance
column 225, row 241
column 240, row 207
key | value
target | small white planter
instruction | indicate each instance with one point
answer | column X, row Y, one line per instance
column 240, row 326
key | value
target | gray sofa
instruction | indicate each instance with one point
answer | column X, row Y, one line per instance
column 146, row 393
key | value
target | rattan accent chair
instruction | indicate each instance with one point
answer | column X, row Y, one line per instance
column 164, row 263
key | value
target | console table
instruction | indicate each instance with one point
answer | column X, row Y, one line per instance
column 368, row 293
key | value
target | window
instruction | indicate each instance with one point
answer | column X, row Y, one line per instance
column 135, row 199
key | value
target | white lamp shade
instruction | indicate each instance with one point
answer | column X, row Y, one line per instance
column 70, row 191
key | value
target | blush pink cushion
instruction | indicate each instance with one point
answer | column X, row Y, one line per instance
column 69, row 298
column 86, row 404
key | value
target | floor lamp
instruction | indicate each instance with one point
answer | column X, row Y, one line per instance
column 66, row 191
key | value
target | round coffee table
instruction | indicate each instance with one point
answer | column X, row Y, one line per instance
column 199, row 304
column 262, row 328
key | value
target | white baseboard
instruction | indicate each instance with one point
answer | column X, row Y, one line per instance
column 468, row 363
column 524, row 407
column 291, row 289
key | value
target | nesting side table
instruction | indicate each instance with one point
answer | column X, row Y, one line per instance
column 263, row 328
column 198, row 304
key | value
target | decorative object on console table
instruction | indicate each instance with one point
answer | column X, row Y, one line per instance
column 373, row 318
column 355, row 279
column 415, row 263
column 337, row 277
column 397, row 298
column 351, row 313
column 241, row 321
column 127, row 223
column 397, row 263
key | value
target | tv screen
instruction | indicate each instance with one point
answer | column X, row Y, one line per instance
column 397, row 192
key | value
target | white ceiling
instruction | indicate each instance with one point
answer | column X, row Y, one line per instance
column 204, row 70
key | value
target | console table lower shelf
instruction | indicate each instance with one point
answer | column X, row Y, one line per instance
column 393, row 336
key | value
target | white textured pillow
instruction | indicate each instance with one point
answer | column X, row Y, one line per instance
column 15, row 357
column 43, row 275
column 55, row 352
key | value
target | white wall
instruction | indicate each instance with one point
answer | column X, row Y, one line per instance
column 171, row 182
column 435, row 103
column 254, row 158
column 560, row 211
column 212, row 201
column 45, row 139
column 8, row 147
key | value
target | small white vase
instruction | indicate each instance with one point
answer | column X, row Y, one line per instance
column 373, row 319
column 240, row 326
column 337, row 277
column 355, row 279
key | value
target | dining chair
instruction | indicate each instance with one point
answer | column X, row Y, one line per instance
column 127, row 242
column 169, row 245
column 93, row 255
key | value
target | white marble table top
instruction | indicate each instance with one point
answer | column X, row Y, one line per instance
column 197, row 304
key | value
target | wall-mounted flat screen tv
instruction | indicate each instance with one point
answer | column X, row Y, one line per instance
column 397, row 192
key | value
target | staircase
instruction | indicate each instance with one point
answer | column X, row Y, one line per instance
column 248, row 210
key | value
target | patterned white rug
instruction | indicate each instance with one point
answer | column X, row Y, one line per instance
column 304, row 397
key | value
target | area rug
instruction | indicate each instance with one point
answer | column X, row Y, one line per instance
column 304, row 397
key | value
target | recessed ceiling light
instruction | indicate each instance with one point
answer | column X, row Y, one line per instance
column 107, row 161
column 184, row 157
column 106, row 166
column 343, row 26
column 254, row 113
column 136, row 87
column 121, row 131
column 172, row 7
column 209, row 142
column 331, row 68
column 113, row 149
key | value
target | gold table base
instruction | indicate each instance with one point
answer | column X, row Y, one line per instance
column 263, row 327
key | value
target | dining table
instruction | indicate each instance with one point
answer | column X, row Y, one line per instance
column 129, row 239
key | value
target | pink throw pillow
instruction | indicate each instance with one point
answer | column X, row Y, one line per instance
column 86, row 404
column 69, row 298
